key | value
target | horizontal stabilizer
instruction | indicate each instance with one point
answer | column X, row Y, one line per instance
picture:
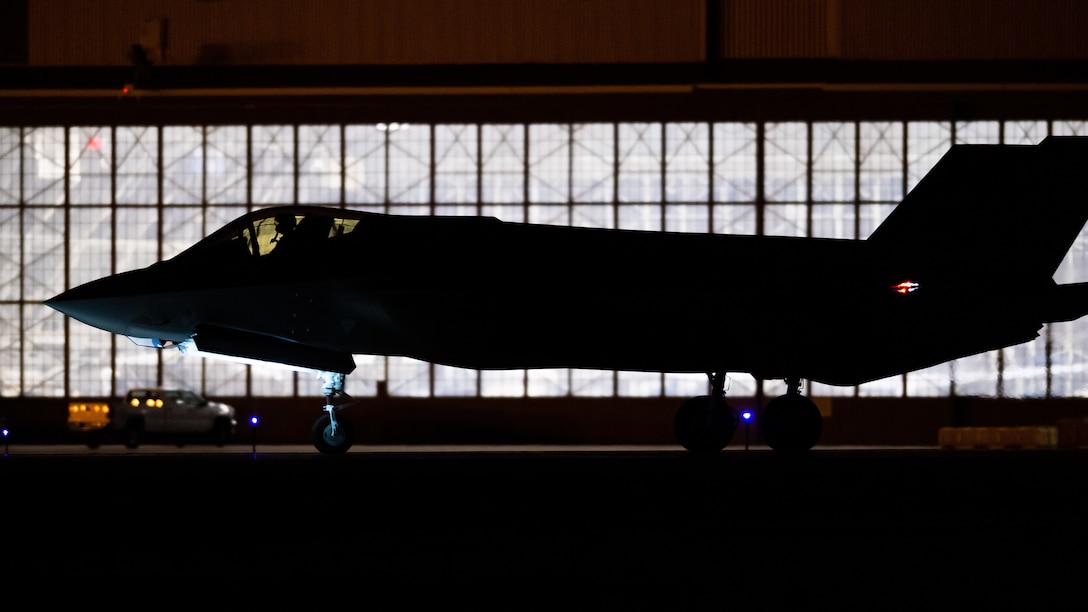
column 1067, row 303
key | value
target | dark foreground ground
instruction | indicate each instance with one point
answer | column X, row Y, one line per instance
column 604, row 529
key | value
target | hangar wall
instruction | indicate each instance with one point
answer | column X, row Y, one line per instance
column 982, row 62
column 424, row 32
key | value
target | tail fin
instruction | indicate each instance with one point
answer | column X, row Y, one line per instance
column 1008, row 211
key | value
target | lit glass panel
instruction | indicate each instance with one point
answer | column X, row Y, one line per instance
column 364, row 164
column 89, row 165
column 785, row 152
column 43, row 253
column 224, row 378
column 502, row 383
column 693, row 218
column 821, row 390
column 591, row 169
column 10, row 169
column 181, row 371
column 369, row 371
column 638, row 384
column 885, row 387
column 182, row 164
column 927, row 142
column 408, row 377
column 686, row 384
column 978, row 132
column 456, row 210
column 90, row 243
column 553, row 214
column 43, row 170
column 226, row 178
column 881, row 162
column 456, row 154
column 137, row 150
column 592, row 383
column 550, row 382
column 137, row 366
column 833, row 162
column 89, row 372
column 218, row 216
column 870, row 216
column 833, row 221
column 272, row 380
column 319, row 164
column 1024, row 132
column 593, row 215
column 183, row 226
column 1069, row 128
column 273, row 153
column 137, row 237
column 455, row 382
column 409, row 164
column 740, row 384
column 934, row 381
column 549, row 163
column 734, row 219
column 1068, row 349
column 10, row 341
column 735, row 162
column 511, row 213
column 640, row 217
column 1023, row 369
column 43, row 351
column 785, row 220
column 687, row 162
column 640, row 163
column 419, row 210
column 11, row 259
column 503, row 160
column 976, row 375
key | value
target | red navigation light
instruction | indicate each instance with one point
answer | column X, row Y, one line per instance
column 905, row 287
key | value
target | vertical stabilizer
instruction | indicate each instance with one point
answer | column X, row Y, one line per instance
column 992, row 211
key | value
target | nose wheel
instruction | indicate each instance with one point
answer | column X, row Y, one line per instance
column 332, row 434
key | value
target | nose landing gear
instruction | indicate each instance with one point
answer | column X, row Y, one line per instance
column 332, row 434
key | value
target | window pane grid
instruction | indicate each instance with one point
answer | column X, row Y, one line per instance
column 821, row 179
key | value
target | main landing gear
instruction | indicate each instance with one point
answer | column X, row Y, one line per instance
column 333, row 434
column 790, row 423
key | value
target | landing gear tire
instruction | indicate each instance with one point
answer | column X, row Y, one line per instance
column 329, row 442
column 791, row 423
column 221, row 432
column 703, row 426
column 133, row 434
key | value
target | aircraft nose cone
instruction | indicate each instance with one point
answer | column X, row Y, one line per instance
column 109, row 303
column 93, row 303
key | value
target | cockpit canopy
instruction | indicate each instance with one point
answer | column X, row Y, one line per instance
column 268, row 231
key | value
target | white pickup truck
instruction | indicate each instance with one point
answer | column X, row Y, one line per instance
column 173, row 415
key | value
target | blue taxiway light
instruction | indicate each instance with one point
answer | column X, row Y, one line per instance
column 253, row 421
column 746, row 415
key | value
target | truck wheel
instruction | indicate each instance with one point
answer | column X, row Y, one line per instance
column 133, row 432
column 221, row 432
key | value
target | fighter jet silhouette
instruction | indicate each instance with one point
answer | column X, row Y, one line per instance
column 963, row 265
